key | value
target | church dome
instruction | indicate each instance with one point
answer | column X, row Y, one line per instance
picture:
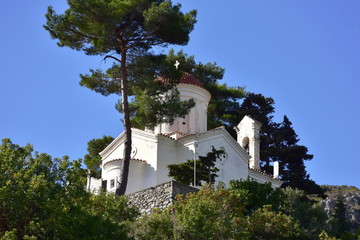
column 186, row 78
column 195, row 121
column 190, row 79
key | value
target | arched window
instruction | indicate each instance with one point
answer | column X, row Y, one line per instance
column 245, row 144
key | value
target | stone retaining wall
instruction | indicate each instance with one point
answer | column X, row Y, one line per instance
column 160, row 196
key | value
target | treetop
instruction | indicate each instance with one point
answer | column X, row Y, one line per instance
column 105, row 26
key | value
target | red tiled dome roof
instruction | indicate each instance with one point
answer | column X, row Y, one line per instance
column 187, row 78
column 190, row 79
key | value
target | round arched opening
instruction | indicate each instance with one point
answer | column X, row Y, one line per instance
column 245, row 144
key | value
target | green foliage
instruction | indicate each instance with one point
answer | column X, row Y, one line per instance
column 355, row 235
column 311, row 217
column 209, row 214
column 338, row 221
column 96, row 26
column 279, row 142
column 205, row 169
column 184, row 172
column 112, row 27
column 338, row 190
column 113, row 208
column 122, row 28
column 9, row 235
column 159, row 104
column 216, row 214
column 142, row 71
column 45, row 198
column 158, row 226
column 267, row 224
column 129, row 29
column 208, row 74
column 324, row 236
column 257, row 194
column 223, row 106
column 28, row 179
column 93, row 159
column 247, row 210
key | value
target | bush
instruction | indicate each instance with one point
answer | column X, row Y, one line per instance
column 216, row 214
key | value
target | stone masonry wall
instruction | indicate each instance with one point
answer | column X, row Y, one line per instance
column 160, row 196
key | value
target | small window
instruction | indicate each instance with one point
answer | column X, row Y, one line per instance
column 112, row 183
column 104, row 185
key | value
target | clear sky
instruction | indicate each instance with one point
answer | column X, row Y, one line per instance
column 305, row 54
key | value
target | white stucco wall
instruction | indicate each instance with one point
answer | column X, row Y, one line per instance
column 235, row 166
column 93, row 184
column 139, row 175
column 248, row 130
column 142, row 173
column 166, row 150
column 145, row 144
column 196, row 120
column 144, row 147
column 159, row 151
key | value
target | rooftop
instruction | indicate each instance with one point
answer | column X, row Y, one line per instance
column 187, row 78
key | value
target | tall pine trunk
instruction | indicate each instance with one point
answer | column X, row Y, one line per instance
column 121, row 189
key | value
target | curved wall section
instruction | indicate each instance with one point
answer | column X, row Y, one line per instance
column 196, row 120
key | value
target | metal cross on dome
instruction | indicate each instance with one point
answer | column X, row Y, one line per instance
column 177, row 63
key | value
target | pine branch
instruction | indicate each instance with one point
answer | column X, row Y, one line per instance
column 109, row 56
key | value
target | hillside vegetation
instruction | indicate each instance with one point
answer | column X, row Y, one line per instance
column 343, row 201
column 44, row 198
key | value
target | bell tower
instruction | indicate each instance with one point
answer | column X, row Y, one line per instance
column 196, row 120
column 248, row 136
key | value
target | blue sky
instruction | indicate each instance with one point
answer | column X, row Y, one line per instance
column 304, row 54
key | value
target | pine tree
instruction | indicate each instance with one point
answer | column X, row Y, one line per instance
column 292, row 157
column 120, row 30
column 93, row 159
column 338, row 222
column 279, row 142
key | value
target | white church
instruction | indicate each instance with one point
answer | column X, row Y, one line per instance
column 187, row 138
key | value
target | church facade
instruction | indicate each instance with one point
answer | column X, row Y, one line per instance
column 187, row 138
